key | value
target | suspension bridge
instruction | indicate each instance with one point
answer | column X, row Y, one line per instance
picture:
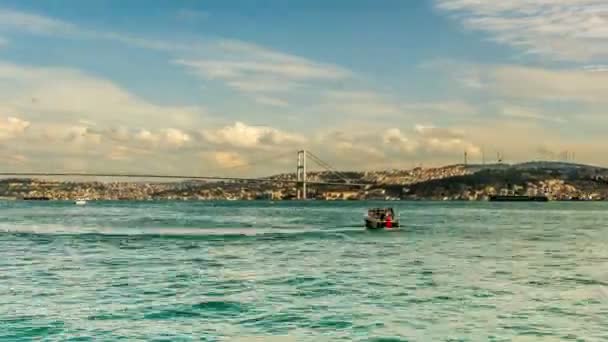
column 301, row 180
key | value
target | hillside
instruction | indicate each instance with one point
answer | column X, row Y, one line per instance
column 560, row 181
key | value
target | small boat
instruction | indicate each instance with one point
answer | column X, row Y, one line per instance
column 80, row 202
column 377, row 218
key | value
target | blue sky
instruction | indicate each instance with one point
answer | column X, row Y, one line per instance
column 194, row 86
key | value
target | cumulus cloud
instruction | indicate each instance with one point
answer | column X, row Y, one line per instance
column 444, row 141
column 573, row 30
column 82, row 135
column 91, row 119
column 392, row 147
column 245, row 136
column 167, row 137
column 144, row 135
column 66, row 115
column 396, row 139
column 228, row 159
column 12, row 127
column 175, row 137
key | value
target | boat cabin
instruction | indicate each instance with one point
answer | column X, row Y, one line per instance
column 378, row 218
column 380, row 213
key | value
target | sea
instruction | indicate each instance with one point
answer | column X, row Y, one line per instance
column 303, row 271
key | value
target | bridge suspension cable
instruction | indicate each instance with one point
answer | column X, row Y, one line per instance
column 328, row 167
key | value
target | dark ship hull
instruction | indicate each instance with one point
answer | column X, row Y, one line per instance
column 36, row 198
column 516, row 198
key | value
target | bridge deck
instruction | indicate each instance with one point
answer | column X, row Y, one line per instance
column 117, row 175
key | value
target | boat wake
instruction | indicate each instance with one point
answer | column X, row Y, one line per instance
column 222, row 232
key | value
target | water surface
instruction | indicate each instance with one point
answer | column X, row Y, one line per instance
column 230, row 271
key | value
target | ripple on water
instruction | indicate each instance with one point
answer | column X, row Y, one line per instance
column 27, row 329
column 278, row 322
column 208, row 309
column 332, row 323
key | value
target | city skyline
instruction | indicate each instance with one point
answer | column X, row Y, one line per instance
column 191, row 87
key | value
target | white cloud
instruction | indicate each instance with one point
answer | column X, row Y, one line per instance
column 444, row 141
column 228, row 159
column 33, row 23
column 68, row 95
column 143, row 135
column 63, row 136
column 529, row 114
column 524, row 83
column 558, row 29
column 15, row 159
column 395, row 139
column 431, row 131
column 67, row 118
column 244, row 136
column 168, row 137
column 451, row 147
column 126, row 153
column 86, row 117
column 82, row 135
column 175, row 137
column 12, row 127
column 391, row 147
column 444, row 107
column 240, row 61
column 19, row 21
column 549, row 85
column 257, row 67
column 252, row 70
column 596, row 68
column 271, row 101
column 118, row 153
column 260, row 72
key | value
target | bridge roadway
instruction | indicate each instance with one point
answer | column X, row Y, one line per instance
column 116, row 175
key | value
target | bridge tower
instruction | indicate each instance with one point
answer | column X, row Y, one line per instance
column 301, row 175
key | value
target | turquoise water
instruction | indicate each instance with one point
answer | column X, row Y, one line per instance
column 254, row 271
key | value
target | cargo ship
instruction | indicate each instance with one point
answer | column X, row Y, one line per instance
column 36, row 198
column 518, row 198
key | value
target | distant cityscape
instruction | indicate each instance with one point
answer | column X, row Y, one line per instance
column 556, row 180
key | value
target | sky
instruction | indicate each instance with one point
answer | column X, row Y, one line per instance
column 235, row 88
